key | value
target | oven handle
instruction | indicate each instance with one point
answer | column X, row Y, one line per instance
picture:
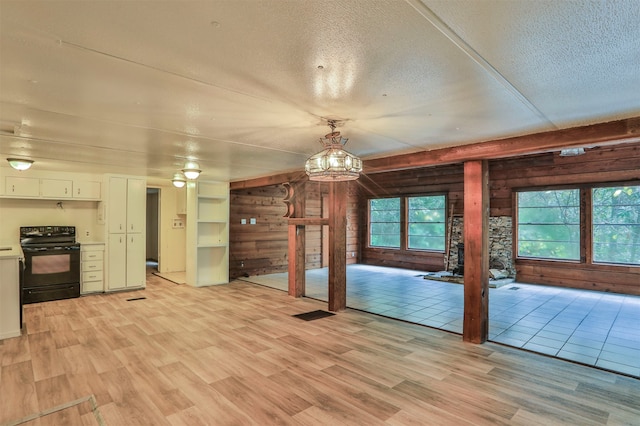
column 45, row 249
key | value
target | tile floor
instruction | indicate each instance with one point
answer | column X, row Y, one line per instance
column 593, row 328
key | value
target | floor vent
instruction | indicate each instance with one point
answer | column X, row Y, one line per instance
column 313, row 315
column 136, row 298
column 514, row 288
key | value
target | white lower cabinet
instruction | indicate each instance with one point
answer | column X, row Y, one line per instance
column 92, row 268
column 117, row 262
column 126, row 260
column 136, row 262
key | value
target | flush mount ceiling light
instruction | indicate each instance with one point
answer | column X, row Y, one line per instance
column 571, row 152
column 20, row 163
column 333, row 163
column 191, row 170
column 178, row 180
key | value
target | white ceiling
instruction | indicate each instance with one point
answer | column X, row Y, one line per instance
column 245, row 86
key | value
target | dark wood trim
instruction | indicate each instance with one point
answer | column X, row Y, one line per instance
column 611, row 133
column 308, row 221
column 296, row 254
column 475, row 328
column 297, row 176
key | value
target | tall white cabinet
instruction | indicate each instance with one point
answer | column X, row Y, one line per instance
column 207, row 233
column 126, row 226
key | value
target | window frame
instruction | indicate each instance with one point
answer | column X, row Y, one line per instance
column 586, row 224
column 404, row 222
column 516, row 223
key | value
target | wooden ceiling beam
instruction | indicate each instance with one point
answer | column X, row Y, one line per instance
column 296, row 176
column 611, row 133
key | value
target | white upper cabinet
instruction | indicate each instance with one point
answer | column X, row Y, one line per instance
column 117, row 211
column 52, row 186
column 22, row 187
column 136, row 205
column 56, row 188
column 87, row 190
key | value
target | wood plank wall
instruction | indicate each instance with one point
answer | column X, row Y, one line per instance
column 599, row 165
column 262, row 248
column 432, row 180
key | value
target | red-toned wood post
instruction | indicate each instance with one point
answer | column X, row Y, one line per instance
column 475, row 327
column 297, row 242
column 337, row 246
column 296, row 256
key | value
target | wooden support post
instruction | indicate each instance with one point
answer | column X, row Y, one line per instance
column 296, row 254
column 337, row 246
column 476, row 252
column 296, row 201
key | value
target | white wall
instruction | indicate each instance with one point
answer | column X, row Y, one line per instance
column 15, row 213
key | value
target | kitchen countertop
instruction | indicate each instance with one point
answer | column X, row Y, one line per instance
column 9, row 251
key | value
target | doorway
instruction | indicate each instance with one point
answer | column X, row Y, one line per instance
column 153, row 232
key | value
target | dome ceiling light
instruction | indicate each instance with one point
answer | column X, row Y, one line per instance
column 191, row 170
column 20, row 163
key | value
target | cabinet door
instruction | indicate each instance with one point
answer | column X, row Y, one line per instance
column 86, row 189
column 22, row 187
column 117, row 261
column 117, row 207
column 136, row 205
column 136, row 260
column 54, row 188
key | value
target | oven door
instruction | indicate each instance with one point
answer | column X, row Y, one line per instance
column 51, row 266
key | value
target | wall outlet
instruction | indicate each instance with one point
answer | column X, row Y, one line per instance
column 178, row 224
column 243, row 221
column 252, row 220
column 86, row 233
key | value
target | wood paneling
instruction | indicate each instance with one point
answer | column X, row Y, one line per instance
column 262, row 248
column 598, row 166
column 446, row 179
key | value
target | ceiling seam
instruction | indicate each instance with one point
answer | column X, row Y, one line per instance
column 172, row 73
column 133, row 126
column 441, row 26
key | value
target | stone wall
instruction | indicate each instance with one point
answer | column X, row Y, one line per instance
column 500, row 243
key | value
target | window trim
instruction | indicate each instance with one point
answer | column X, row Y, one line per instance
column 404, row 222
column 586, row 224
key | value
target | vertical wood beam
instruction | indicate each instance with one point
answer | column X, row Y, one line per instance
column 475, row 327
column 297, row 243
column 296, row 254
column 337, row 246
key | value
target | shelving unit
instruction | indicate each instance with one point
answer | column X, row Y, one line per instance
column 207, row 233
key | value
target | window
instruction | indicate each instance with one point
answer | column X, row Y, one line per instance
column 384, row 222
column 616, row 224
column 549, row 224
column 426, row 219
column 413, row 223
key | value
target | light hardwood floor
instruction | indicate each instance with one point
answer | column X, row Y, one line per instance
column 234, row 354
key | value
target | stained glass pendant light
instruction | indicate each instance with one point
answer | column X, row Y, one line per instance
column 333, row 163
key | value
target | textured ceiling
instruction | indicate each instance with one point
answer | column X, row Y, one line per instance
column 245, row 87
